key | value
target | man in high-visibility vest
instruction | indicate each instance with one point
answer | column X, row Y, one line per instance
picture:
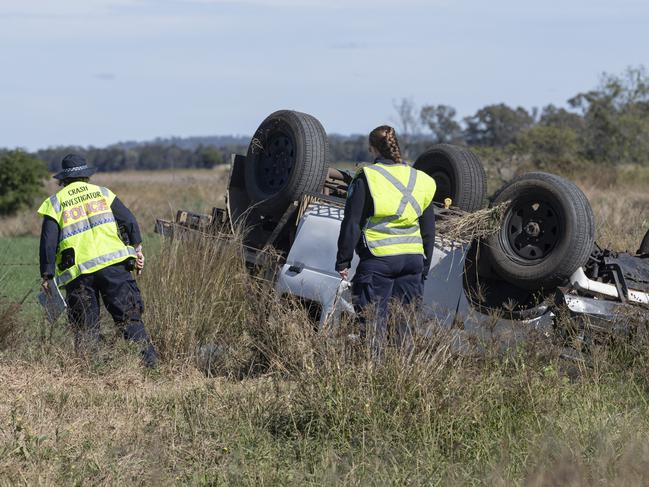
column 82, row 250
column 390, row 222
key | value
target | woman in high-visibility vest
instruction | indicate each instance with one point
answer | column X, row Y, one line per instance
column 390, row 223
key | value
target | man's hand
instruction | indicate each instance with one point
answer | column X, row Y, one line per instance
column 45, row 285
column 344, row 274
column 139, row 259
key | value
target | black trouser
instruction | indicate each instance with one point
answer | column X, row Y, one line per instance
column 377, row 281
column 122, row 299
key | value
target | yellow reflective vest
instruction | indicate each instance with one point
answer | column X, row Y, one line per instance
column 400, row 195
column 88, row 227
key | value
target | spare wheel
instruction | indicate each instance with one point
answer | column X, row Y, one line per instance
column 458, row 173
column 287, row 157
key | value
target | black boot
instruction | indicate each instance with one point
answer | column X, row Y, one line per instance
column 136, row 332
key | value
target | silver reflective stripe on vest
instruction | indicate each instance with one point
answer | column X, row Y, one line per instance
column 91, row 222
column 384, row 228
column 104, row 191
column 54, row 200
column 406, row 192
column 394, row 241
column 67, row 276
column 63, row 279
column 102, row 259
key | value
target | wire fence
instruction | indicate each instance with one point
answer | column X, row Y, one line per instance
column 20, row 291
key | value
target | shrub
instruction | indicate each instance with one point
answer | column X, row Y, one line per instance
column 21, row 181
column 549, row 147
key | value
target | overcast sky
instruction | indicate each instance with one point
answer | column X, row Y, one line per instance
column 93, row 72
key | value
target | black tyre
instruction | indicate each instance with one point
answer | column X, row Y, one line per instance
column 548, row 232
column 287, row 157
column 644, row 246
column 458, row 173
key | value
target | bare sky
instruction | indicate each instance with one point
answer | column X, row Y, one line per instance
column 98, row 71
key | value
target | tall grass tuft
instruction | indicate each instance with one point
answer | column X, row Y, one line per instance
column 205, row 308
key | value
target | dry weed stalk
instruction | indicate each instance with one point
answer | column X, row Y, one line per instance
column 464, row 227
column 206, row 306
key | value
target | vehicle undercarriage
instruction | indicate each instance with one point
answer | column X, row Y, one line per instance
column 540, row 263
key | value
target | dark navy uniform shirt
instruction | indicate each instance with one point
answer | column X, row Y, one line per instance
column 358, row 208
column 50, row 235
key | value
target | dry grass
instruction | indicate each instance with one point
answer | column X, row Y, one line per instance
column 159, row 194
column 206, row 310
column 249, row 394
column 621, row 213
column 465, row 227
column 149, row 195
column 313, row 410
column 620, row 202
column 62, row 424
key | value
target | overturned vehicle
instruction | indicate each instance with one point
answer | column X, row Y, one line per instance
column 541, row 262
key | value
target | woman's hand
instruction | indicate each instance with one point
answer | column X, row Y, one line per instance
column 344, row 274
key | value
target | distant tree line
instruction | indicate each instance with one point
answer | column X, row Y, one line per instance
column 142, row 157
column 609, row 124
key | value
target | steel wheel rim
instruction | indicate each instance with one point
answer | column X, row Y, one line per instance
column 276, row 162
column 532, row 230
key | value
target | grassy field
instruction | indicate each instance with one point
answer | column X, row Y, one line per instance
column 248, row 394
column 149, row 194
column 18, row 266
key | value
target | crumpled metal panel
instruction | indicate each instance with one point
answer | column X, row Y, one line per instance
column 634, row 268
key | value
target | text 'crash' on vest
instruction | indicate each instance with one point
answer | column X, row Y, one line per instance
column 80, row 198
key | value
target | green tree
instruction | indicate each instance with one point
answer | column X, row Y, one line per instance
column 552, row 116
column 21, row 180
column 549, row 147
column 440, row 119
column 496, row 125
column 208, row 157
column 616, row 118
